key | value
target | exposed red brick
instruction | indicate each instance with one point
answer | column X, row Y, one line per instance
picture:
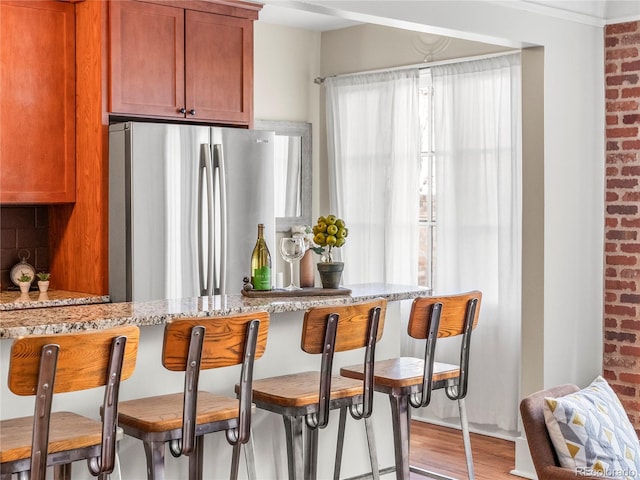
column 610, row 247
column 610, row 323
column 631, row 39
column 622, row 209
column 619, row 285
column 629, row 79
column 624, row 390
column 631, row 170
column 609, row 375
column 621, row 235
column 631, row 350
column 611, row 222
column 631, row 145
column 619, row 53
column 629, row 119
column 631, row 197
column 619, row 310
column 612, row 146
column 631, row 92
column 630, row 248
column 631, row 66
column 610, row 68
column 629, row 298
column 610, row 272
column 619, row 361
column 623, row 183
column 627, row 27
column 612, row 119
column 622, row 132
column 630, row 378
column 612, row 196
column 631, row 222
column 625, row 106
column 630, row 273
column 611, row 41
column 623, row 157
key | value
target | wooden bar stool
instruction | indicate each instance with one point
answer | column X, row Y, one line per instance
column 182, row 419
column 409, row 381
column 305, row 399
column 45, row 365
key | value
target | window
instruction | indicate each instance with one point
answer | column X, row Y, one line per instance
column 427, row 187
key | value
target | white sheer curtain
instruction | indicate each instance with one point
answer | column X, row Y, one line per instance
column 478, row 238
column 373, row 131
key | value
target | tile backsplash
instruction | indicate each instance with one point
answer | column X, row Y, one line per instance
column 23, row 229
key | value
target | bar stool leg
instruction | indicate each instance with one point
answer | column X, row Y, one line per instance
column 155, row 460
column 311, row 454
column 250, row 459
column 62, row 472
column 235, row 461
column 373, row 452
column 466, row 438
column 400, row 413
column 340, row 443
column 196, row 459
column 293, row 433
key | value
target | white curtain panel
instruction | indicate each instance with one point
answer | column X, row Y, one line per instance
column 373, row 131
column 478, row 233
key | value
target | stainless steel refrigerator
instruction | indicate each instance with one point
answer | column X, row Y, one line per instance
column 184, row 205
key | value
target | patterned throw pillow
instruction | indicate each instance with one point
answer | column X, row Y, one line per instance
column 592, row 434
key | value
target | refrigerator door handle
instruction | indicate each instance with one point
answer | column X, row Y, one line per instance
column 206, row 174
column 219, row 164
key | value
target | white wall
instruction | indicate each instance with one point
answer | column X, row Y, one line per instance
column 564, row 210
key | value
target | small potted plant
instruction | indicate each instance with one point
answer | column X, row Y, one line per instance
column 43, row 281
column 24, row 282
column 330, row 232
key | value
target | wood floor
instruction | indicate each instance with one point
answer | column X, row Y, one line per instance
column 440, row 450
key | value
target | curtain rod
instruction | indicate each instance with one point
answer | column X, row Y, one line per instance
column 320, row 80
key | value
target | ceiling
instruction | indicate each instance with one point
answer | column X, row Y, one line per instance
column 597, row 12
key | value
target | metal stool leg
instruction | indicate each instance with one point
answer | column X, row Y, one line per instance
column 311, row 454
column 373, row 452
column 235, row 461
column 196, row 459
column 154, row 452
column 293, row 433
column 62, row 472
column 466, row 438
column 340, row 443
column 250, row 459
column 401, row 415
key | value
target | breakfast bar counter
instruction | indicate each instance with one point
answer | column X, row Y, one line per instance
column 282, row 355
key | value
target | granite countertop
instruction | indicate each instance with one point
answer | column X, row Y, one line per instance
column 14, row 300
column 75, row 318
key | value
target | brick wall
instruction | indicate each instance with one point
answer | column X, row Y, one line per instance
column 622, row 217
column 23, row 228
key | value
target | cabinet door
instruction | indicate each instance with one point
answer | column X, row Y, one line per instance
column 147, row 59
column 37, row 102
column 219, row 67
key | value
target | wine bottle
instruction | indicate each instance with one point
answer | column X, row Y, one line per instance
column 261, row 263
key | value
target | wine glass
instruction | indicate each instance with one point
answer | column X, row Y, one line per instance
column 292, row 249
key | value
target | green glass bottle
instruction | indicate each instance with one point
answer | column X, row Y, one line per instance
column 261, row 263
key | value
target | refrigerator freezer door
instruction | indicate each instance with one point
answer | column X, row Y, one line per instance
column 154, row 185
column 246, row 158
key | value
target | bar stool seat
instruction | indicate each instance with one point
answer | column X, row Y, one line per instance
column 44, row 365
column 180, row 420
column 305, row 399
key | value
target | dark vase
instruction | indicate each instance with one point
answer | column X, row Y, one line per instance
column 330, row 274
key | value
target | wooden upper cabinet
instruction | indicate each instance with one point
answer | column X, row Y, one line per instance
column 147, row 59
column 37, row 102
column 219, row 67
column 189, row 59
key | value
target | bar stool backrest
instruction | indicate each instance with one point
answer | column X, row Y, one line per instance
column 46, row 364
column 352, row 328
column 444, row 316
column 194, row 344
column 326, row 330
